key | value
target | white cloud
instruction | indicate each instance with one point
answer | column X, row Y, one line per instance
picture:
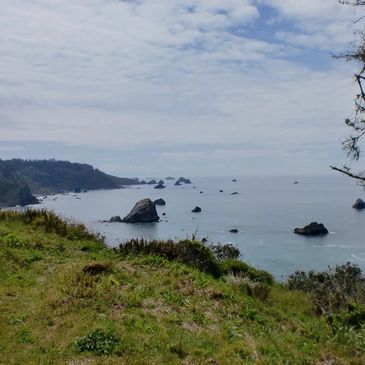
column 128, row 74
column 324, row 24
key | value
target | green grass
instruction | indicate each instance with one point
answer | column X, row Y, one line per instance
column 68, row 299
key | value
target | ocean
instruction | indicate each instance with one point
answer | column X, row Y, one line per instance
column 265, row 211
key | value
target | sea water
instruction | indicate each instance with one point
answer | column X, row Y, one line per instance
column 265, row 211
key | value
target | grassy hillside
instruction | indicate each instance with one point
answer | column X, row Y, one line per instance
column 50, row 176
column 65, row 298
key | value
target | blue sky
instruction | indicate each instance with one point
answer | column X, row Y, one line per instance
column 194, row 87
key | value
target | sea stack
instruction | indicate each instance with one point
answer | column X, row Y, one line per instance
column 143, row 212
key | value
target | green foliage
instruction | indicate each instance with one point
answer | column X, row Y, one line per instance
column 239, row 268
column 99, row 342
column 225, row 251
column 250, row 287
column 334, row 289
column 60, row 307
column 23, row 336
column 191, row 253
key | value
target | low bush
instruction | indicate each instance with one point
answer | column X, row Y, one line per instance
column 334, row 289
column 239, row 268
column 191, row 253
column 225, row 251
column 252, row 288
column 98, row 342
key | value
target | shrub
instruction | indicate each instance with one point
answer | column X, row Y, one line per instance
column 99, row 342
column 239, row 268
column 225, row 251
column 252, row 288
column 334, row 289
column 191, row 253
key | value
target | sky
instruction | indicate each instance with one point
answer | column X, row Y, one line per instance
column 177, row 87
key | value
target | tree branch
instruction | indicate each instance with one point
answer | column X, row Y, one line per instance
column 348, row 173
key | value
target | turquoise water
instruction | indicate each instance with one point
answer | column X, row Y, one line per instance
column 265, row 212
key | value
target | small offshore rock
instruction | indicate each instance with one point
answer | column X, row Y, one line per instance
column 235, row 193
column 313, row 229
column 144, row 211
column 159, row 202
column 234, row 180
column 115, row 219
column 233, row 230
column 359, row 204
column 197, row 210
column 221, row 191
column 152, row 182
column 160, row 186
column 183, row 180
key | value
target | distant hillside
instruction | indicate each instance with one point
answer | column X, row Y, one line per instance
column 19, row 179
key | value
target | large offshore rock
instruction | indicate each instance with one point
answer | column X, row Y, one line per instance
column 143, row 212
column 359, row 204
column 313, row 229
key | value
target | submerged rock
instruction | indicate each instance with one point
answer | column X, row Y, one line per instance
column 197, row 210
column 221, row 191
column 143, row 212
column 235, row 193
column 178, row 183
column 359, row 204
column 234, row 180
column 159, row 202
column 313, row 229
column 152, row 182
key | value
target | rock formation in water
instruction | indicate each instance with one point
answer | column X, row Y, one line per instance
column 359, row 204
column 143, row 212
column 160, row 186
column 159, row 202
column 197, row 210
column 313, row 229
column 115, row 219
column 182, row 180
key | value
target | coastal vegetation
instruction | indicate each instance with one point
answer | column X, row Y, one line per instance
column 20, row 179
column 66, row 298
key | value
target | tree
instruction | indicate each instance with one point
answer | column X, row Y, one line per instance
column 352, row 144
